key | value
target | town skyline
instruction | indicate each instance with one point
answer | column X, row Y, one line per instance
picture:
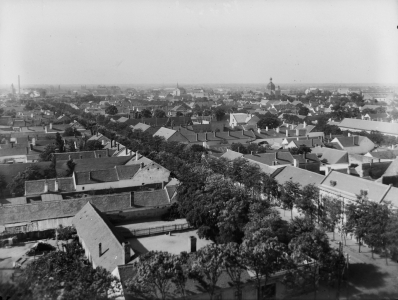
column 199, row 43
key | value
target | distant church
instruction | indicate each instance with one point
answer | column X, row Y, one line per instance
column 271, row 90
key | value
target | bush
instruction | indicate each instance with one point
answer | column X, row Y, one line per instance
column 65, row 233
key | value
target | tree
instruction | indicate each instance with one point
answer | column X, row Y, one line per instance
column 59, row 142
column 71, row 146
column 70, row 131
column 207, row 267
column 333, row 213
column 268, row 120
column 48, row 152
column 303, row 111
column 159, row 113
column 219, row 113
column 155, row 271
column 93, row 145
column 239, row 147
column 308, row 201
column 146, row 113
column 67, row 273
column 111, row 110
column 3, row 184
column 302, row 149
column 17, row 185
column 290, row 191
column 263, row 259
column 234, row 265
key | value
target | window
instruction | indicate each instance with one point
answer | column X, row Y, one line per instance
column 268, row 291
column 238, row 295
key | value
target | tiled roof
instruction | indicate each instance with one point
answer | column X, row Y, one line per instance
column 151, row 198
column 141, row 126
column 392, row 170
column 127, row 171
column 301, row 176
column 312, row 157
column 62, row 209
column 383, row 127
column 332, row 156
column 94, row 229
column 388, row 154
column 164, row 132
column 231, row 155
column 80, row 155
column 282, row 158
column 92, row 164
column 351, row 186
column 308, row 143
column 37, row 187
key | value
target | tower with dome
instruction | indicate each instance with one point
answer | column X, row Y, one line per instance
column 272, row 90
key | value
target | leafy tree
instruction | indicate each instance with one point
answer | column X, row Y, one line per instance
column 59, row 142
column 155, row 271
column 48, row 152
column 356, row 218
column 290, row 191
column 17, row 185
column 308, row 201
column 159, row 113
column 71, row 132
column 303, row 111
column 263, row 259
column 3, row 184
column 234, row 264
column 146, row 113
column 219, row 113
column 391, row 235
column 71, row 146
column 268, row 120
column 207, row 267
column 239, row 147
column 93, row 145
column 333, row 213
column 65, row 233
column 65, row 273
column 302, row 149
column 111, row 110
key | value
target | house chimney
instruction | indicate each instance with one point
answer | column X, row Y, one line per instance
column 31, row 146
column 99, row 249
column 297, row 132
column 45, row 186
column 192, row 244
column 214, row 133
column 229, row 133
column 287, row 132
column 27, row 150
column 136, row 156
column 251, row 152
column 259, row 130
column 305, row 124
column 295, row 163
column 349, row 134
column 142, row 165
column 56, row 185
column 277, row 129
column 33, row 141
column 51, row 125
column 197, row 136
column 126, row 248
column 118, row 146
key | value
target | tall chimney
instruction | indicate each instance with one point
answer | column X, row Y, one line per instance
column 192, row 244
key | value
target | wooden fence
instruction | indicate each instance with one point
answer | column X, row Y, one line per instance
column 160, row 229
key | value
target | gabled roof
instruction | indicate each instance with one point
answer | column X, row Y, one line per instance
column 350, row 186
column 141, row 126
column 388, row 154
column 151, row 198
column 80, row 155
column 164, row 132
column 61, row 209
column 94, row 228
column 392, row 170
column 282, row 158
column 38, row 187
column 301, row 176
column 331, row 156
column 383, row 127
column 231, row 155
column 308, row 143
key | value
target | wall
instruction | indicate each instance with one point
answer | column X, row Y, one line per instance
column 150, row 174
column 374, row 170
column 137, row 214
column 17, row 158
column 40, row 225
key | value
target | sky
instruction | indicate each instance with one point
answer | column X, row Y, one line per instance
column 198, row 42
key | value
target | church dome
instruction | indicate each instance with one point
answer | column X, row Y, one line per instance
column 270, row 85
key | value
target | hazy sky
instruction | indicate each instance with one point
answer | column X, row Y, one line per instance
column 137, row 42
